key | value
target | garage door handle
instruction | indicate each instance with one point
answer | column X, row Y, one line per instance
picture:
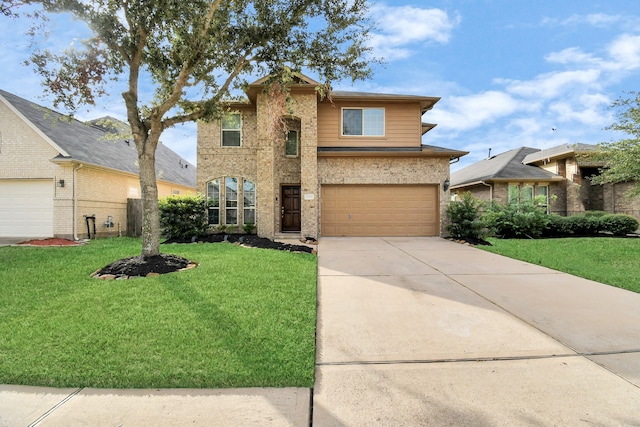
column 349, row 216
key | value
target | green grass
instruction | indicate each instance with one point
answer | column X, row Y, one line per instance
column 613, row 261
column 244, row 317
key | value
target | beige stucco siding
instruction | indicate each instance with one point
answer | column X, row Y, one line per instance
column 402, row 125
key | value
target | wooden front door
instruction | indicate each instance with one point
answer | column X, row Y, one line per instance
column 291, row 208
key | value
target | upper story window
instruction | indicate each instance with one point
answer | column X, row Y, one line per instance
column 231, row 125
column 363, row 121
column 291, row 146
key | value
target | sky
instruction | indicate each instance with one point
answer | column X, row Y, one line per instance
column 510, row 73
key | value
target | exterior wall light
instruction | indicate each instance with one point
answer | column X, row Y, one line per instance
column 60, row 183
column 445, row 185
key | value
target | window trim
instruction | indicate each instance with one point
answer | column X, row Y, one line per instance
column 223, row 130
column 214, row 207
column 363, row 135
column 244, row 206
column 228, row 208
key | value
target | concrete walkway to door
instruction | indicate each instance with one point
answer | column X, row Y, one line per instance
column 424, row 331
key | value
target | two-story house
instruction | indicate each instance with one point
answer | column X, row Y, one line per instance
column 352, row 164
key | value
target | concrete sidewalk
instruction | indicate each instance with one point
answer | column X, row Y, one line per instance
column 414, row 332
column 430, row 332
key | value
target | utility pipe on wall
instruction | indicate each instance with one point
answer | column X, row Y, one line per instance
column 75, row 202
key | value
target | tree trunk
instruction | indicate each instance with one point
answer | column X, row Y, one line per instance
column 150, row 210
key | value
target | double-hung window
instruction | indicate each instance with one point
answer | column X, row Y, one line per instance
column 231, row 125
column 231, row 201
column 363, row 121
column 213, row 201
column 249, row 191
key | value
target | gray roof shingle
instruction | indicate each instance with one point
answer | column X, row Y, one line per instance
column 95, row 144
column 506, row 165
column 558, row 150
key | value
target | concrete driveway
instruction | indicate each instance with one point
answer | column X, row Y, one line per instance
column 424, row 331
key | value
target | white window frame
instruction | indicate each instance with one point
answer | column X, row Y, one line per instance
column 213, row 204
column 252, row 205
column 364, row 132
column 238, row 130
column 230, row 204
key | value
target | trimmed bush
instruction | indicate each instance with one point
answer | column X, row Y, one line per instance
column 588, row 224
column 526, row 219
column 183, row 217
column 619, row 225
column 464, row 217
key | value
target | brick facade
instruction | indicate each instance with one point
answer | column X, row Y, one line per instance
column 264, row 161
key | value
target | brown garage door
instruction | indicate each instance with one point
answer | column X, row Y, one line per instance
column 379, row 210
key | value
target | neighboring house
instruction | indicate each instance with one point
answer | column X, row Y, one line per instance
column 560, row 174
column 54, row 172
column 349, row 165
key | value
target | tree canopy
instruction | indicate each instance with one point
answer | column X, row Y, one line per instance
column 195, row 54
column 622, row 157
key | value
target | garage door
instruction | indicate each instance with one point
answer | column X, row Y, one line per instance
column 26, row 208
column 379, row 210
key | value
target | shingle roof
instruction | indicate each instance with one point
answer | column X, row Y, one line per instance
column 502, row 166
column 559, row 150
column 95, row 144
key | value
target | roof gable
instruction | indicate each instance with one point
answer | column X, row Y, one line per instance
column 558, row 152
column 92, row 144
column 504, row 166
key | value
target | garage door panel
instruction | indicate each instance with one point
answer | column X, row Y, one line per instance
column 379, row 210
column 26, row 208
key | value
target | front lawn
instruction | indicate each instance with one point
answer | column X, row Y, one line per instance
column 244, row 317
column 614, row 261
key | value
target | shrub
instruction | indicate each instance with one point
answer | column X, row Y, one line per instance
column 527, row 219
column 619, row 225
column 249, row 228
column 464, row 217
column 183, row 217
column 557, row 226
column 583, row 225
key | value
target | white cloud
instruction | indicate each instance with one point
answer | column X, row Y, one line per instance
column 554, row 84
column 625, row 52
column 399, row 28
column 600, row 20
column 467, row 112
column 572, row 55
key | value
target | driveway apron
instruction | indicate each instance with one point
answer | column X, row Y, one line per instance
column 424, row 331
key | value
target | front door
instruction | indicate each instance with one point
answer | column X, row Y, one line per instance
column 291, row 208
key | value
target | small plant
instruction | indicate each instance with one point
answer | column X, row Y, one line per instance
column 464, row 217
column 183, row 217
column 249, row 228
column 526, row 219
column 230, row 229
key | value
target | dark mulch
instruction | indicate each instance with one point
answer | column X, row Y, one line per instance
column 142, row 266
column 166, row 263
column 246, row 240
column 471, row 241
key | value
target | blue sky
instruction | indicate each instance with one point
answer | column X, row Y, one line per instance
column 508, row 72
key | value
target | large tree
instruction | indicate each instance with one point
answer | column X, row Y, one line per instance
column 195, row 53
column 622, row 157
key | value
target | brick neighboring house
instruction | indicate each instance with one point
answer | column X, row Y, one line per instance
column 350, row 166
column 55, row 171
column 560, row 173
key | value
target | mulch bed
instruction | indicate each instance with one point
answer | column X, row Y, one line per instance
column 54, row 241
column 167, row 263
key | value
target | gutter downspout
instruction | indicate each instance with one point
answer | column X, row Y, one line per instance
column 75, row 202
column 490, row 190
